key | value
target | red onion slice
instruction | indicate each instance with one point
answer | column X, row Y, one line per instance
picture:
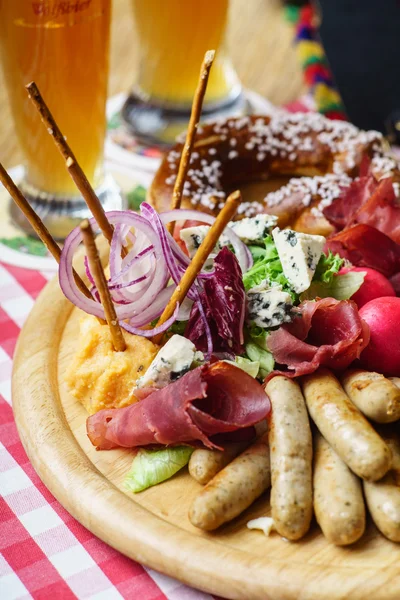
column 147, row 333
column 67, row 282
column 242, row 252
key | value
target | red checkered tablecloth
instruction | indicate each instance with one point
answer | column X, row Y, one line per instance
column 45, row 553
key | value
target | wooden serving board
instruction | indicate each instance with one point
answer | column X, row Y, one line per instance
column 152, row 527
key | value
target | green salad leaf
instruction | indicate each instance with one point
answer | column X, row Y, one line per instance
column 267, row 265
column 257, row 354
column 150, row 467
column 328, row 265
column 249, row 366
column 340, row 287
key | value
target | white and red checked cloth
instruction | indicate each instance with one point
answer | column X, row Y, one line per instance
column 45, row 553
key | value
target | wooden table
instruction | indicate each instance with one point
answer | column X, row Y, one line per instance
column 260, row 42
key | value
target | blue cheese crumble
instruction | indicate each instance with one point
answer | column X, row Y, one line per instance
column 299, row 254
column 172, row 361
column 268, row 307
column 194, row 237
column 254, row 229
column 249, row 230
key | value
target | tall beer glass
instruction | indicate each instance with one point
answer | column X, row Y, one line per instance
column 173, row 36
column 63, row 46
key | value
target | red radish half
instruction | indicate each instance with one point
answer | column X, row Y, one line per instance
column 383, row 351
column 375, row 285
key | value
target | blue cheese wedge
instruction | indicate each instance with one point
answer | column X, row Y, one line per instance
column 254, row 229
column 194, row 237
column 172, row 361
column 269, row 307
column 299, row 254
column 249, row 230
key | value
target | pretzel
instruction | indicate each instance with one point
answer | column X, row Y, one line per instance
column 324, row 154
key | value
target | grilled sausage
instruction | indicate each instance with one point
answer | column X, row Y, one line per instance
column 204, row 464
column 375, row 396
column 344, row 427
column 395, row 380
column 338, row 501
column 233, row 489
column 383, row 497
column 291, row 459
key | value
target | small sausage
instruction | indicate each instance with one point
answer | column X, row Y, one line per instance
column 395, row 380
column 233, row 489
column 338, row 501
column 375, row 396
column 383, row 497
column 344, row 427
column 204, row 464
column 291, row 459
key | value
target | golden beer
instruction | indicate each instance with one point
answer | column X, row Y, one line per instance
column 62, row 46
column 173, row 37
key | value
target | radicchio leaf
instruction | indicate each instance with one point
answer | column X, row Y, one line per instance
column 223, row 299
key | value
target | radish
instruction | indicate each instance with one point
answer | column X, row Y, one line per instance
column 383, row 351
column 375, row 285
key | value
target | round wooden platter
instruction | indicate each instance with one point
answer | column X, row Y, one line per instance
column 153, row 527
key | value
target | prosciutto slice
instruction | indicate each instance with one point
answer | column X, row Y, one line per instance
column 365, row 246
column 209, row 400
column 380, row 211
column 341, row 211
column 327, row 333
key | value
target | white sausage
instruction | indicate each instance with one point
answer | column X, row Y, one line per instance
column 233, row 489
column 375, row 396
column 344, row 427
column 383, row 497
column 291, row 459
column 338, row 500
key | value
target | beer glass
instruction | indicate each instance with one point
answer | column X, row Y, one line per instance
column 63, row 46
column 172, row 38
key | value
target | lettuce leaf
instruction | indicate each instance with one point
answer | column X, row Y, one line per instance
column 328, row 266
column 257, row 354
column 267, row 265
column 150, row 467
column 249, row 366
column 340, row 287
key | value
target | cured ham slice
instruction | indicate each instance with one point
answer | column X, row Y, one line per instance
column 380, row 211
column 365, row 246
column 370, row 202
column 209, row 400
column 326, row 333
column 341, row 211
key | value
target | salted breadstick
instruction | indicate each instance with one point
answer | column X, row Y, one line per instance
column 344, row 427
column 291, row 459
column 204, row 464
column 383, row 497
column 338, row 500
column 375, row 396
column 233, row 489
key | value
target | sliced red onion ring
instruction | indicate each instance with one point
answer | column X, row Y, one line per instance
column 155, row 309
column 156, row 330
column 136, row 259
column 119, row 286
column 242, row 252
column 67, row 282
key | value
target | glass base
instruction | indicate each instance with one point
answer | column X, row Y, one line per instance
column 61, row 214
column 154, row 124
